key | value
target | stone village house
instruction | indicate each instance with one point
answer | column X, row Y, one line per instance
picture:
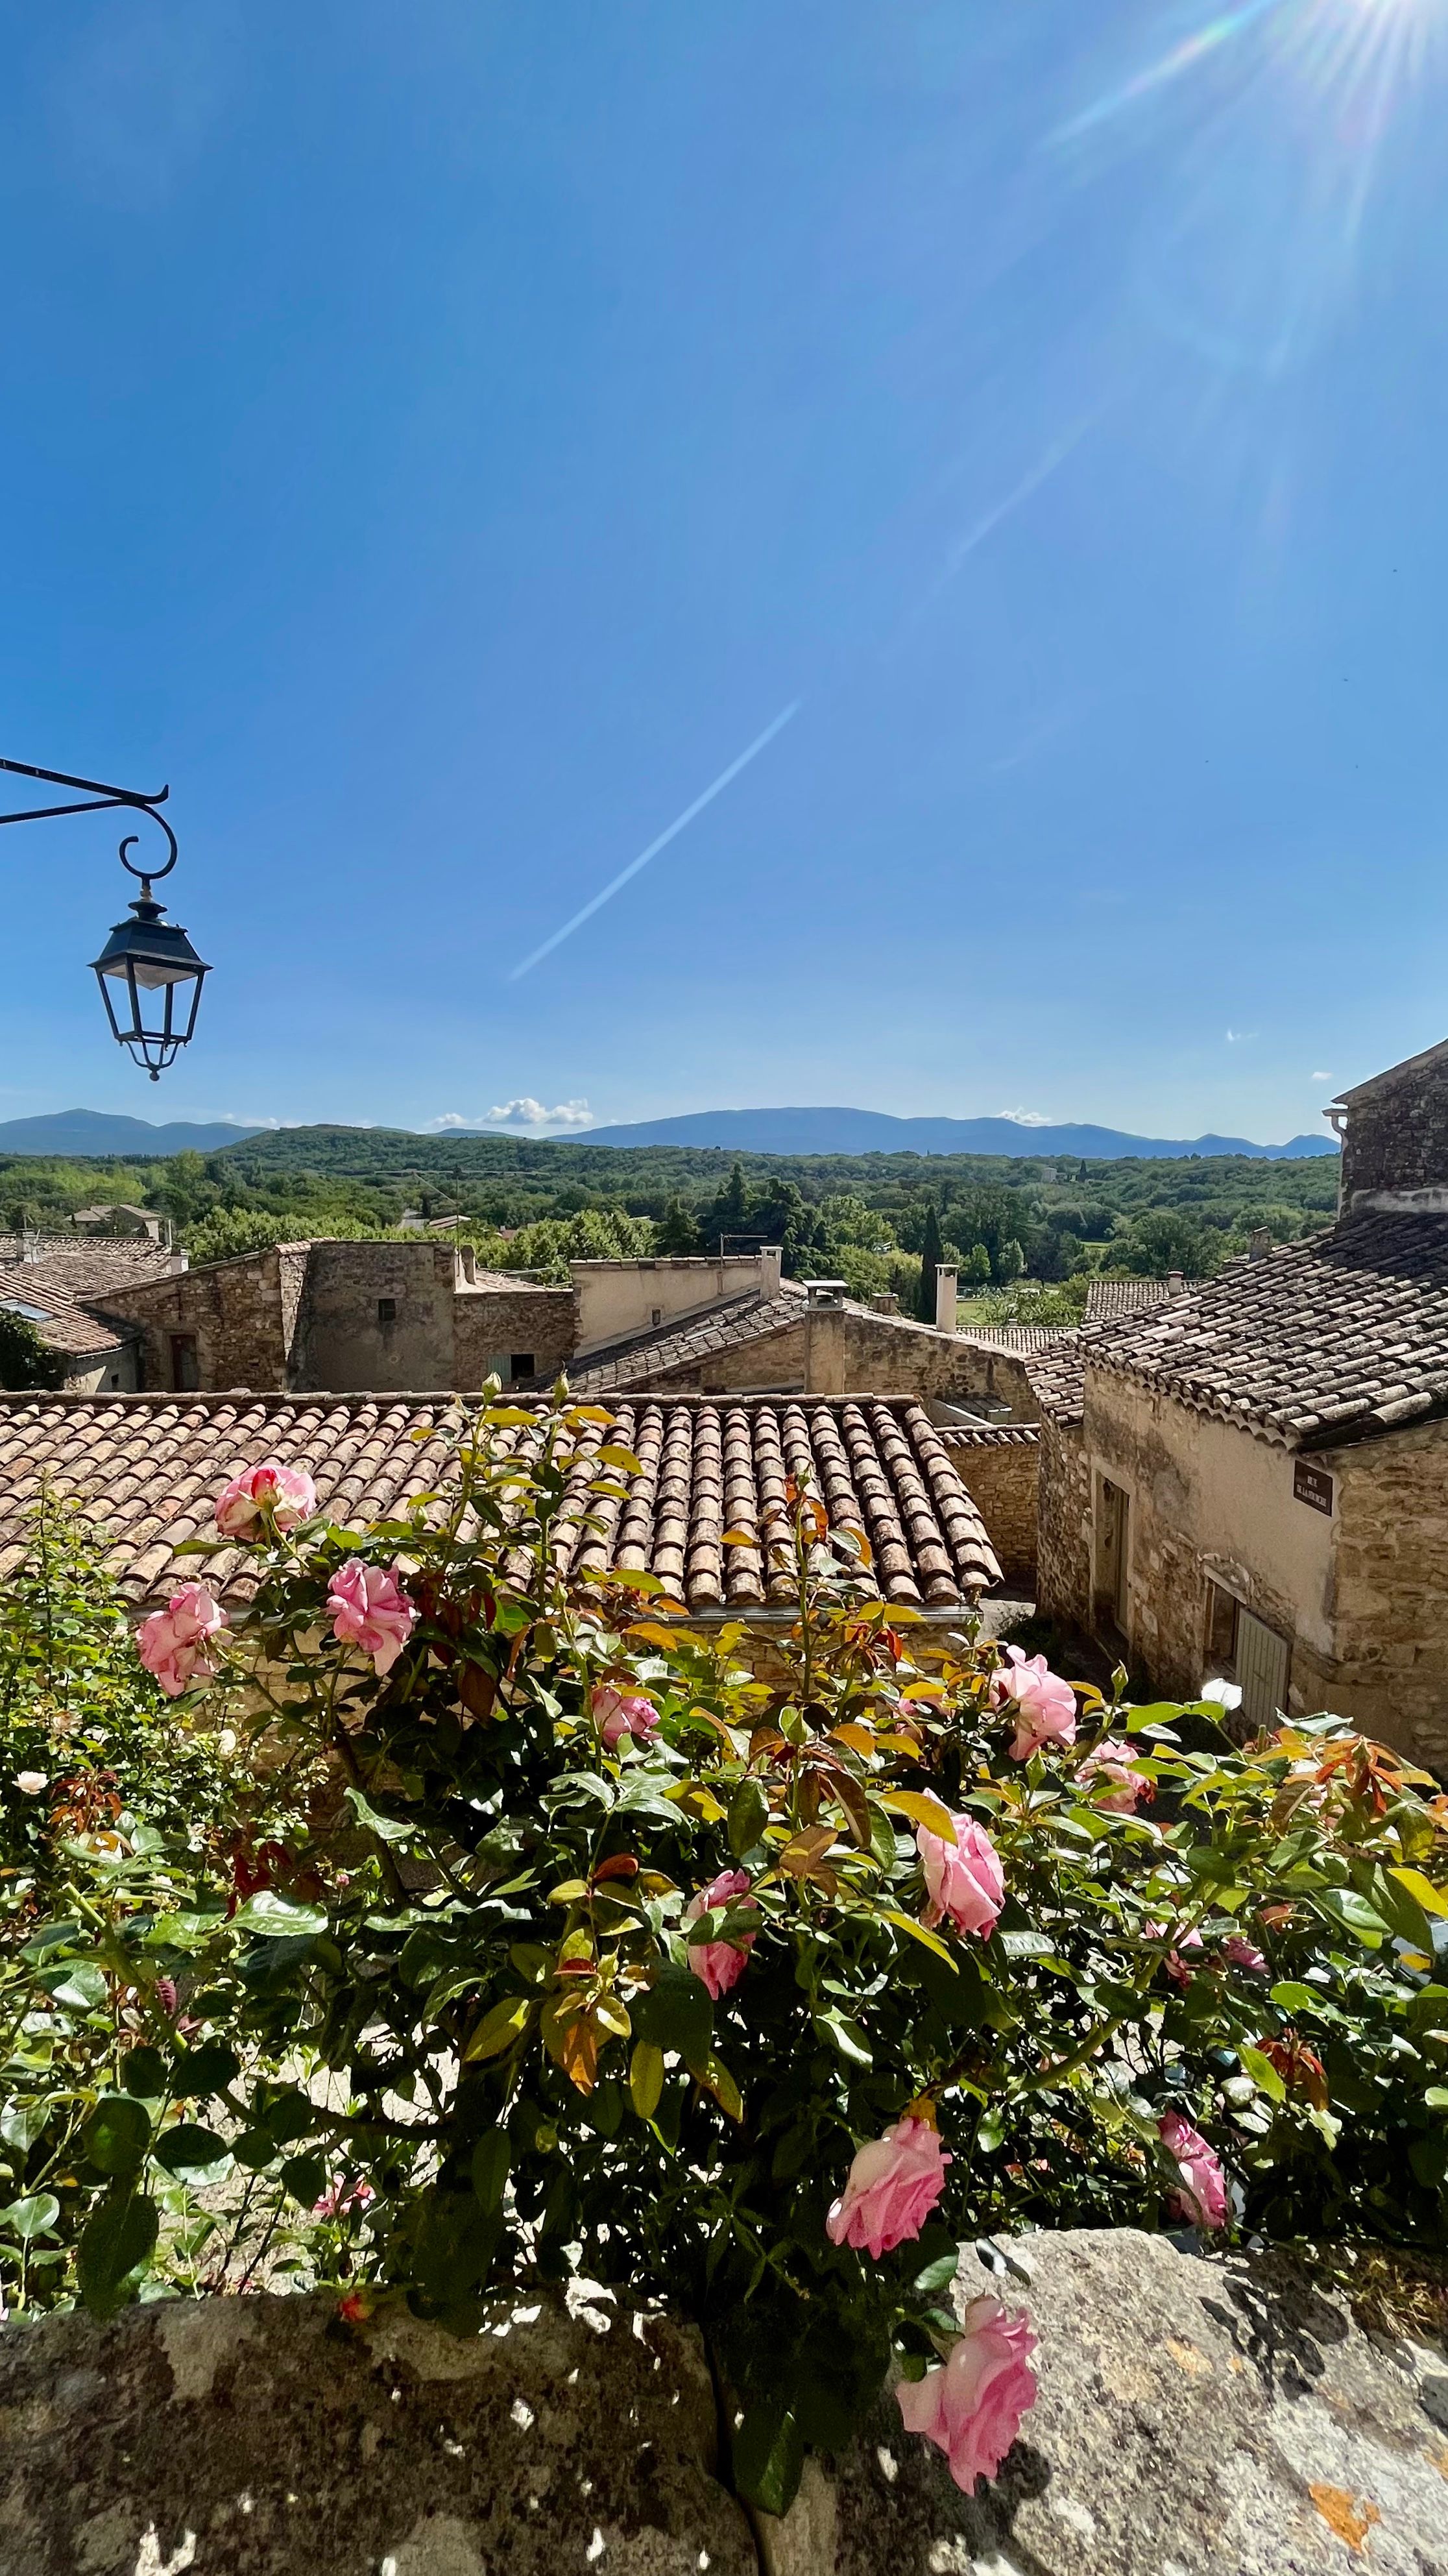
column 1251, row 1478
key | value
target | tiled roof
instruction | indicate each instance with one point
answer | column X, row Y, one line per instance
column 639, row 1359
column 1017, row 1339
column 1058, row 1377
column 988, row 1435
column 1109, row 1297
column 148, row 1469
column 1337, row 1337
column 63, row 1285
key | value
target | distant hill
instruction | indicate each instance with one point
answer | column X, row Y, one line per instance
column 870, row 1131
column 92, row 1132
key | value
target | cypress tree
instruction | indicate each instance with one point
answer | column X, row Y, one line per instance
column 929, row 1262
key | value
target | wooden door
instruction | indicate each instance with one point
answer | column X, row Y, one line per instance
column 1262, row 1662
column 1114, row 1553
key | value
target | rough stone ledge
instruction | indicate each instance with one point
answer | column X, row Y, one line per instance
column 1222, row 2418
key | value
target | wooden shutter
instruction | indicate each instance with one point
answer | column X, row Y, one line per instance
column 1262, row 1662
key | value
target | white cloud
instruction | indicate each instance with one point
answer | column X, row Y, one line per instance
column 1027, row 1117
column 1322, row 1077
column 524, row 1113
column 1240, row 1037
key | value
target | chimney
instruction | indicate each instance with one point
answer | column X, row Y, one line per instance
column 1259, row 1242
column 468, row 1261
column 1176, row 1285
column 946, row 1292
column 771, row 1262
column 824, row 1337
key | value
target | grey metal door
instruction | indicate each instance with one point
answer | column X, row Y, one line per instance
column 1262, row 1662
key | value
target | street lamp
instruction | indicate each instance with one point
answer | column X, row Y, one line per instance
column 146, row 956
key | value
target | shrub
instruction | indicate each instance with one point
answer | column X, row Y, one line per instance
column 615, row 1952
column 25, row 1359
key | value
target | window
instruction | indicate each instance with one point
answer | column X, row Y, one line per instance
column 1243, row 1649
column 656, row 1314
column 520, row 1364
column 387, row 1310
column 184, row 1370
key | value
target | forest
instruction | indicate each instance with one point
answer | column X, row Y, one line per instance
column 534, row 1205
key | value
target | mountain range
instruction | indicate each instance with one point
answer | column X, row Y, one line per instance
column 94, row 1132
column 870, row 1131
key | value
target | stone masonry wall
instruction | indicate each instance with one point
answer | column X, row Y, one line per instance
column 1398, row 1140
column 837, row 1350
column 1000, row 1469
column 234, row 1310
column 345, row 1341
column 1063, row 1526
column 491, row 1326
column 1391, row 1583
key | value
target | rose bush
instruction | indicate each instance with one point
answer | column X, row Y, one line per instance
column 537, row 1930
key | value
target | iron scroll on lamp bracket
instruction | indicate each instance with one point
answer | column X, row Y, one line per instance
column 146, row 956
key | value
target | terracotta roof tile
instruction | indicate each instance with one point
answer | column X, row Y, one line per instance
column 66, row 1288
column 148, row 1468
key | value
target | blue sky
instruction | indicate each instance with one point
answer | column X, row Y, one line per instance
column 441, row 441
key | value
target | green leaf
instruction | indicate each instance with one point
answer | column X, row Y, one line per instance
column 78, row 1985
column 1290, row 1997
column 34, row 2216
column 21, row 2124
column 768, row 2457
column 386, row 1828
column 646, row 2078
column 278, row 1916
column 939, row 2274
column 1436, row 2097
column 305, row 2177
column 116, row 2240
column 204, row 2071
column 499, row 2028
column 918, row 1932
column 1263, row 2073
column 1433, row 1900
column 748, row 1816
column 846, row 2036
column 145, row 2073
column 490, row 2167
column 676, row 2013
column 117, row 2134
column 189, row 2149
column 1354, row 1913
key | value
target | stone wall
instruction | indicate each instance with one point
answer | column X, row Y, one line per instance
column 494, row 1326
column 346, row 1338
column 1398, row 1138
column 1000, row 1469
column 992, row 1377
column 235, row 1312
column 1390, row 1667
column 1063, row 1526
column 1193, row 2418
column 613, row 1299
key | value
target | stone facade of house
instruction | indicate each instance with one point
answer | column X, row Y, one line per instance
column 1394, row 1133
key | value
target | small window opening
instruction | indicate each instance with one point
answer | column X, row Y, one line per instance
column 185, row 1373
column 520, row 1364
column 656, row 1314
column 387, row 1310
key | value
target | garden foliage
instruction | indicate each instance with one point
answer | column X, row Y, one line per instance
column 469, row 1923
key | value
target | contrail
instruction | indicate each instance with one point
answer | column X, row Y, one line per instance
column 1040, row 473
column 652, row 852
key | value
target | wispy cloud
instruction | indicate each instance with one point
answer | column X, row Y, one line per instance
column 1027, row 1117
column 1322, row 1077
column 679, row 823
column 524, row 1112
column 1240, row 1037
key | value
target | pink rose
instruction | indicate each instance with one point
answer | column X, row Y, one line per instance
column 1045, row 1706
column 963, row 1879
column 1109, row 1774
column 370, row 1610
column 1176, row 1966
column 282, row 1494
column 627, row 1714
column 721, row 1964
column 1239, row 1952
column 30, row 1783
column 173, row 1642
column 971, row 2406
column 891, row 2188
column 1202, row 2198
column 341, row 2197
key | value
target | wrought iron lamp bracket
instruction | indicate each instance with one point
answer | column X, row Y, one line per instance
column 98, row 799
